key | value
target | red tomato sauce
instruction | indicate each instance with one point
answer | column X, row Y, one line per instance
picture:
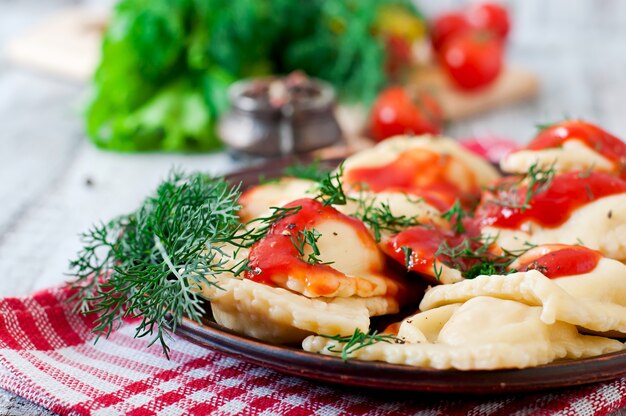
column 550, row 208
column 275, row 257
column 417, row 172
column 566, row 261
column 593, row 136
column 424, row 242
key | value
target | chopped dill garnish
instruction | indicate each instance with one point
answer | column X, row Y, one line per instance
column 536, row 181
column 360, row 339
column 589, row 192
column 457, row 214
column 313, row 171
column 377, row 216
column 255, row 234
column 308, row 238
column 380, row 218
column 330, row 190
column 408, row 257
column 474, row 257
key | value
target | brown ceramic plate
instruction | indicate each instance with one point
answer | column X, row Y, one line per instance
column 294, row 361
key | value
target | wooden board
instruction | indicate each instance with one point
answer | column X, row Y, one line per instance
column 513, row 85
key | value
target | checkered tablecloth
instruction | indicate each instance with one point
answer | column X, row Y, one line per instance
column 47, row 355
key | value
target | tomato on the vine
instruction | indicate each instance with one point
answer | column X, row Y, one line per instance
column 472, row 59
column 490, row 16
column 400, row 111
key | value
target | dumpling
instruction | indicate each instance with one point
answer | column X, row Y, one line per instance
column 442, row 254
column 483, row 333
column 571, row 145
column 572, row 155
column 279, row 316
column 434, row 168
column 416, row 248
column 318, row 251
column 398, row 204
column 257, row 201
column 584, row 289
column 576, row 208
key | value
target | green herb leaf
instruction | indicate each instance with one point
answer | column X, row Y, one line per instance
column 457, row 214
column 155, row 260
column 474, row 257
column 536, row 181
column 360, row 340
column 330, row 190
column 308, row 238
column 312, row 171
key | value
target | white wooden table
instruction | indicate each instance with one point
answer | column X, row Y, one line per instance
column 53, row 183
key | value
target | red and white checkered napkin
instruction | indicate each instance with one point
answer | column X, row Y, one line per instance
column 47, row 355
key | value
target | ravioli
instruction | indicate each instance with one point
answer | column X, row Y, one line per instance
column 399, row 204
column 600, row 225
column 416, row 248
column 571, row 145
column 483, row 333
column 257, row 201
column 435, row 168
column 342, row 261
column 279, row 316
column 571, row 299
column 572, row 155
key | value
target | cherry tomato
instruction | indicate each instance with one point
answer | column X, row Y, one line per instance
column 446, row 25
column 472, row 59
column 490, row 16
column 398, row 111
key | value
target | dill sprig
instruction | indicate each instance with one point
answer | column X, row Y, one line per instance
column 304, row 238
column 313, row 171
column 360, row 339
column 409, row 262
column 535, row 181
column 474, row 257
column 457, row 214
column 257, row 232
column 330, row 189
column 379, row 218
column 154, row 261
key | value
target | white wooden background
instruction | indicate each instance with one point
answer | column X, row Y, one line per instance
column 577, row 47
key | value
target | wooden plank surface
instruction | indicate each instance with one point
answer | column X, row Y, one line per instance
column 53, row 183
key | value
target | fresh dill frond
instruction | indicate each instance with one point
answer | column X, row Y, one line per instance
column 313, row 171
column 536, row 181
column 378, row 217
column 408, row 257
column 474, row 257
column 304, row 238
column 360, row 339
column 330, row 189
column 257, row 232
column 457, row 214
column 153, row 262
